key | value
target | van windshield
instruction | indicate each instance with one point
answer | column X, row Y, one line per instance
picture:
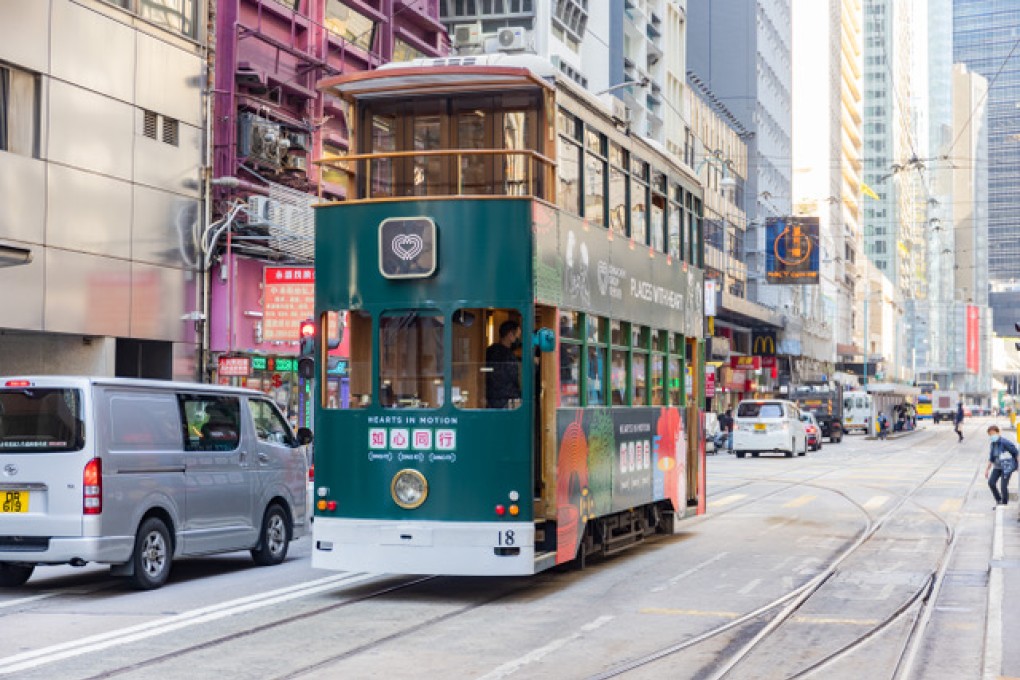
column 40, row 419
column 759, row 410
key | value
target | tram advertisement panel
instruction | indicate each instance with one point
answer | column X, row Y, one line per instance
column 612, row 459
column 590, row 268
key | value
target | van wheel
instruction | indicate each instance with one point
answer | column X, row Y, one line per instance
column 274, row 539
column 741, row 454
column 789, row 454
column 14, row 575
column 152, row 556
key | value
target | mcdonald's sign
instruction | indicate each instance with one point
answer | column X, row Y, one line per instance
column 763, row 344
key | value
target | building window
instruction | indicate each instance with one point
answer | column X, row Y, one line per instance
column 404, row 52
column 173, row 15
column 19, row 111
column 354, row 27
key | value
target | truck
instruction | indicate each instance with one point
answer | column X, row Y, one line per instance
column 943, row 405
column 825, row 401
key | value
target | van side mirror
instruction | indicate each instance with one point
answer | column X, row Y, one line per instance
column 304, row 436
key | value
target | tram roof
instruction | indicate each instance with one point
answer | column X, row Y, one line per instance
column 450, row 74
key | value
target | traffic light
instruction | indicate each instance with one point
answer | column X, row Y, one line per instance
column 306, row 360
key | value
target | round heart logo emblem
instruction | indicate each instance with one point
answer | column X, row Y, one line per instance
column 407, row 246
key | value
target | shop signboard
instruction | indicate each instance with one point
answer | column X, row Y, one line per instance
column 745, row 363
column 234, row 367
column 288, row 299
column 792, row 256
column 710, row 383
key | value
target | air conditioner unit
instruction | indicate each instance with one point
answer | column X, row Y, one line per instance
column 259, row 208
column 465, row 35
column 511, row 38
column 299, row 140
column 295, row 162
column 261, row 140
column 621, row 112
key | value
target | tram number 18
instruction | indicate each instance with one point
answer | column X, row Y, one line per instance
column 506, row 538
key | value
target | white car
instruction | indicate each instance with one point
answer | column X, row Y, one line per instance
column 766, row 425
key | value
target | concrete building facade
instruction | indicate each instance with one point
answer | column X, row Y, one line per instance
column 101, row 148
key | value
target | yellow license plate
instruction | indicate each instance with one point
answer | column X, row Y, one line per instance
column 14, row 501
column 759, row 426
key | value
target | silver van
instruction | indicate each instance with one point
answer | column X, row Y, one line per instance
column 134, row 473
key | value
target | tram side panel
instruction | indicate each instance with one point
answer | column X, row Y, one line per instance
column 612, row 459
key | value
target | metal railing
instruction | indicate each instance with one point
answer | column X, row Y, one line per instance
column 523, row 173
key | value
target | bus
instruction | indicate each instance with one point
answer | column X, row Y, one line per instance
column 924, row 409
column 497, row 215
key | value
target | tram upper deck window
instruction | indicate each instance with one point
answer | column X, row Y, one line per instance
column 472, row 144
column 411, row 371
column 618, row 179
column 486, row 360
column 346, row 381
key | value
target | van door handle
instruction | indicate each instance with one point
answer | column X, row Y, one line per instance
column 242, row 457
column 263, row 458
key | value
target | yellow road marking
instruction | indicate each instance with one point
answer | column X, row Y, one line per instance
column 875, row 502
column 797, row 502
column 688, row 612
column 951, row 505
column 836, row 621
column 726, row 500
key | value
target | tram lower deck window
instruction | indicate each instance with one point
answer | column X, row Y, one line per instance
column 486, row 361
column 411, row 359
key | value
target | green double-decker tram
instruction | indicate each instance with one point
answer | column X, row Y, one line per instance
column 517, row 283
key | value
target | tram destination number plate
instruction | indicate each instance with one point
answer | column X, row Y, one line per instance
column 15, row 501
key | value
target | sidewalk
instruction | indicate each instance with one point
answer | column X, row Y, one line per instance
column 897, row 435
column 1002, row 655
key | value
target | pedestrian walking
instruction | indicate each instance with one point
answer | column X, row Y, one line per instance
column 883, row 426
column 1002, row 462
column 727, row 428
column 958, row 420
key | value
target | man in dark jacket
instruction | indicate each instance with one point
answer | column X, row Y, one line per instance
column 726, row 427
column 503, row 377
column 958, row 420
column 1002, row 461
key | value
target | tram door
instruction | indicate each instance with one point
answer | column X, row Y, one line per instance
column 544, row 462
column 693, row 425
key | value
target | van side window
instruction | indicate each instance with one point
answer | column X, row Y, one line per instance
column 269, row 425
column 143, row 422
column 213, row 423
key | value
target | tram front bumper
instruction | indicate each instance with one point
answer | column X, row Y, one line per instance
column 399, row 547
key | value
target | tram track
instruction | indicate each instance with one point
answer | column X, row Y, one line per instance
column 797, row 598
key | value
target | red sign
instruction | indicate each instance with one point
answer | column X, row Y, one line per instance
column 746, row 363
column 234, row 366
column 710, row 384
column 737, row 381
column 288, row 299
column 768, row 362
column 973, row 340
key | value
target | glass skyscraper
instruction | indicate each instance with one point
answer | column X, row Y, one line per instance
column 986, row 37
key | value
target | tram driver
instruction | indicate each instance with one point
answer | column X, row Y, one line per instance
column 503, row 375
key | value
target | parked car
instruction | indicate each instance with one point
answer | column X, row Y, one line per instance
column 768, row 425
column 136, row 473
column 812, row 429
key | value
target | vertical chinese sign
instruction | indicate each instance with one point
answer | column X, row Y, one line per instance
column 973, row 340
column 288, row 298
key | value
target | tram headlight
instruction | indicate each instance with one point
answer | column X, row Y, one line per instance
column 409, row 489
